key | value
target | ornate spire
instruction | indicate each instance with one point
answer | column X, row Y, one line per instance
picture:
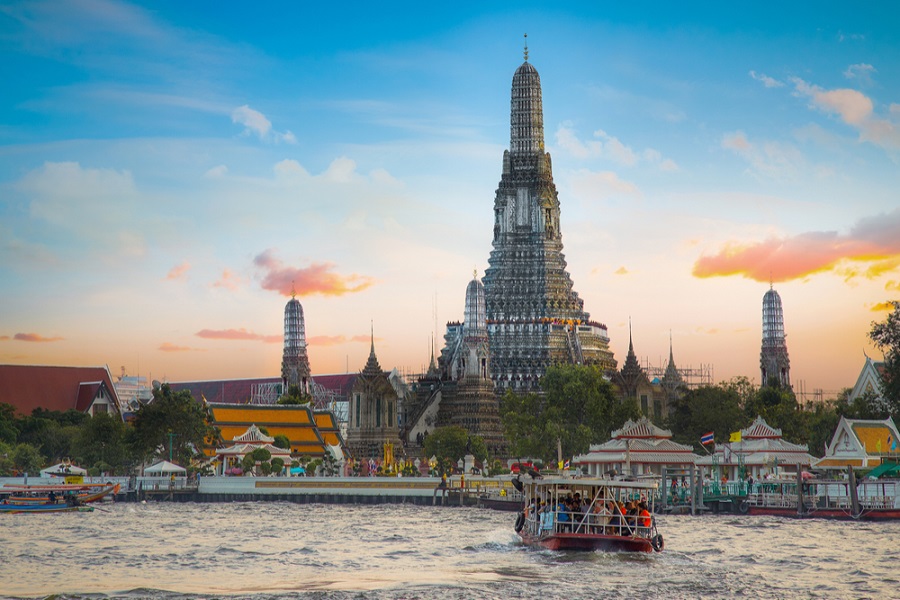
column 526, row 47
column 372, row 367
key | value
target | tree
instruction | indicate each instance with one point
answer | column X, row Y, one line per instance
column 886, row 336
column 705, row 409
column 294, row 396
column 7, row 466
column 9, row 432
column 448, row 444
column 172, row 418
column 102, row 440
column 578, row 408
column 282, row 441
column 27, row 459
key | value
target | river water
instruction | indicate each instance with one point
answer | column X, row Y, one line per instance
column 277, row 550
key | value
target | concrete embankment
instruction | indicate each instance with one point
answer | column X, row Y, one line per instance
column 307, row 490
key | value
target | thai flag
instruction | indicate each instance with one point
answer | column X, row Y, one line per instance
column 707, row 439
column 566, row 465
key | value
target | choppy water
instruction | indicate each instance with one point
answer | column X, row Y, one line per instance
column 281, row 551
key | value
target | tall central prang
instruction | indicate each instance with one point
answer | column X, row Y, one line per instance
column 535, row 318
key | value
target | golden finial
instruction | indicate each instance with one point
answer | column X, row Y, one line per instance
column 526, row 47
column 293, row 291
column 474, row 273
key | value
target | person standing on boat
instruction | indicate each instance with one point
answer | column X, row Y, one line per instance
column 51, row 497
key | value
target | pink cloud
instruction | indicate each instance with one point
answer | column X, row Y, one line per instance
column 228, row 280
column 335, row 340
column 178, row 272
column 34, row 337
column 4, row 337
column 873, row 242
column 238, row 334
column 167, row 347
column 318, row 278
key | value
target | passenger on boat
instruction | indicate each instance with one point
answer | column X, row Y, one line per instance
column 601, row 517
column 51, row 497
column 645, row 519
column 562, row 515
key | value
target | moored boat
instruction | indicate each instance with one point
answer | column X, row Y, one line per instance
column 867, row 500
column 40, row 494
column 43, row 508
column 563, row 513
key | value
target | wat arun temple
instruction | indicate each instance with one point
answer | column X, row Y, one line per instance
column 534, row 316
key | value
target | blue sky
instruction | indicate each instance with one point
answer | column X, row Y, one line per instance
column 168, row 168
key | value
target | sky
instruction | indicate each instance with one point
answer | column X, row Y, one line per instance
column 169, row 170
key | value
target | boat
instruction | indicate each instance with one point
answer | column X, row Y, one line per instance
column 848, row 499
column 43, row 508
column 40, row 494
column 595, row 522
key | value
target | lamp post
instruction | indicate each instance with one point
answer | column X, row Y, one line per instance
column 171, row 444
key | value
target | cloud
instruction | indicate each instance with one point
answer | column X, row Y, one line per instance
column 870, row 249
column 77, row 202
column 238, row 335
column 855, row 109
column 336, row 340
column 228, row 281
column 861, row 71
column 621, row 271
column 216, row 172
column 178, row 272
column 317, row 278
column 167, row 347
column 883, row 307
column 892, row 286
column 608, row 147
column 766, row 80
column 4, row 337
column 602, row 185
column 256, row 122
column 35, row 337
column 771, row 160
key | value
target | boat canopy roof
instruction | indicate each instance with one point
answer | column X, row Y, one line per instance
column 640, row 484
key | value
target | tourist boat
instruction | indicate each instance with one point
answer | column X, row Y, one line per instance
column 39, row 494
column 592, row 525
column 867, row 499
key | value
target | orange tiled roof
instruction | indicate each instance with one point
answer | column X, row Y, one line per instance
column 871, row 434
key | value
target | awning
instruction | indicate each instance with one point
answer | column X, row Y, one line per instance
column 883, row 469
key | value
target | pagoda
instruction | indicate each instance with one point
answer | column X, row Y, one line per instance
column 534, row 316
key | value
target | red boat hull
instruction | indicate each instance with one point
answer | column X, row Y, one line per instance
column 589, row 542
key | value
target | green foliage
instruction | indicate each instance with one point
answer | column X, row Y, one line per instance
column 705, row 409
column 27, row 459
column 778, row 406
column 261, row 454
column 277, row 464
column 294, row 396
column 886, row 336
column 282, row 441
column 578, row 408
column 6, row 459
column 448, row 444
column 172, row 412
column 9, row 433
column 101, row 439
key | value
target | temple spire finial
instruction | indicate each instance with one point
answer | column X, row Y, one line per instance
column 293, row 290
column 372, row 337
column 526, row 47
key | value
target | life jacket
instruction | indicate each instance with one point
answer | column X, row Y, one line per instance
column 645, row 517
